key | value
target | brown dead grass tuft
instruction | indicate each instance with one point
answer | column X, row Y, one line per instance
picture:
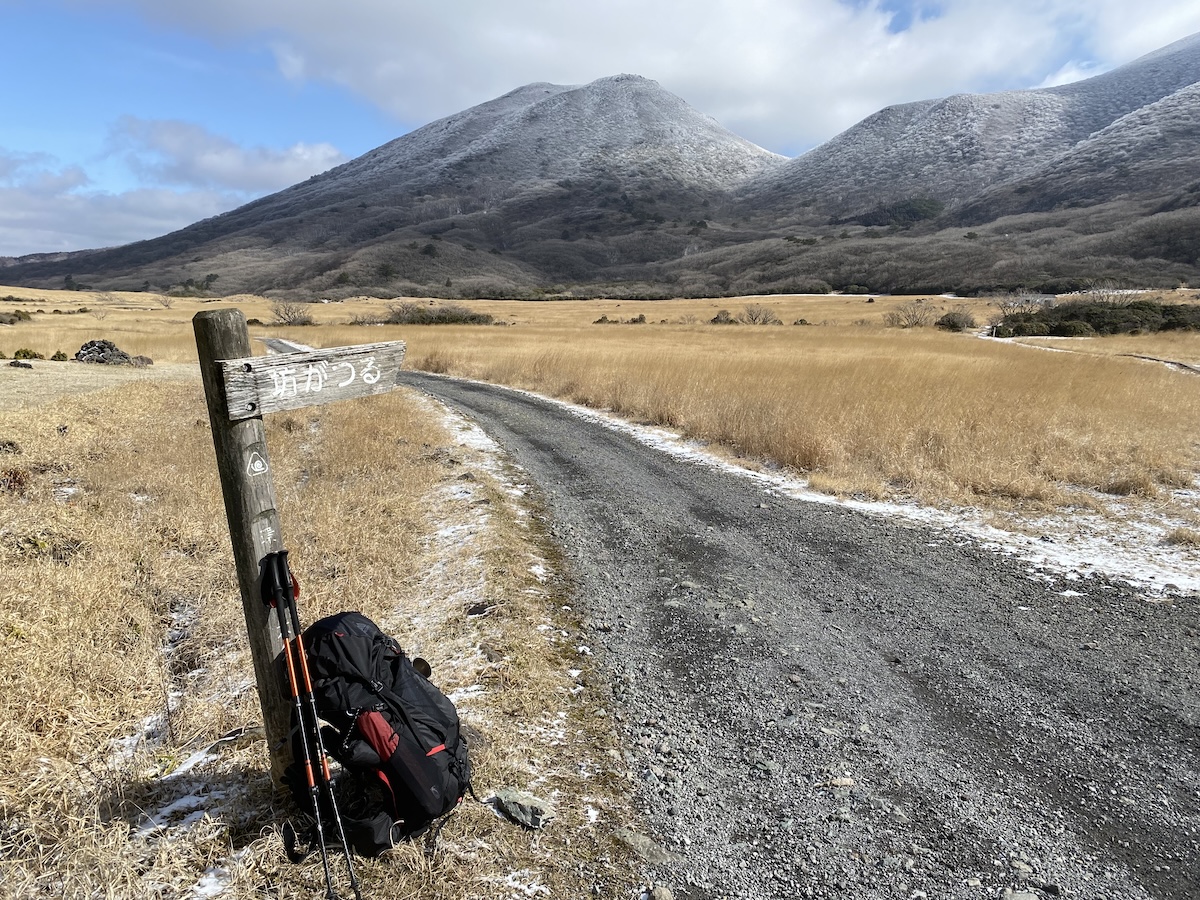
column 1184, row 537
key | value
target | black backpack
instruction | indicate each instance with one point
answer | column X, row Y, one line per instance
column 397, row 736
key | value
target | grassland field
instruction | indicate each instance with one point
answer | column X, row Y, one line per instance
column 119, row 606
column 133, row 767
column 857, row 407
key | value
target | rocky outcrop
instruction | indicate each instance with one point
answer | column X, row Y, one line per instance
column 107, row 353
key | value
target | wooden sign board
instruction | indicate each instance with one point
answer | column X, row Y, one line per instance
column 258, row 385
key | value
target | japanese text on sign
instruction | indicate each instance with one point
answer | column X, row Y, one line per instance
column 264, row 384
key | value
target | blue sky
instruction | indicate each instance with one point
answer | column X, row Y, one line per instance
column 126, row 119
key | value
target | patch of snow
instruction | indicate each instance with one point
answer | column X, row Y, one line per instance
column 180, row 813
column 200, row 756
column 524, row 883
column 66, row 490
column 279, row 345
column 151, row 732
column 459, row 695
column 214, row 881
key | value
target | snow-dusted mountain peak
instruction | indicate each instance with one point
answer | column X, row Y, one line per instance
column 954, row 148
column 545, row 132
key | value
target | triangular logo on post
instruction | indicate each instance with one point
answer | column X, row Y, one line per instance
column 258, row 465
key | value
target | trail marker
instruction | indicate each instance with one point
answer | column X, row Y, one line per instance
column 266, row 384
column 240, row 389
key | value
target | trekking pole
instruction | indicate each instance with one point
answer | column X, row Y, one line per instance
column 276, row 591
column 315, row 724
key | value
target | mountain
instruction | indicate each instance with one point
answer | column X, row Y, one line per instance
column 538, row 168
column 951, row 150
column 1150, row 152
column 620, row 188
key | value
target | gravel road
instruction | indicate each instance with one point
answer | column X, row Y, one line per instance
column 818, row 703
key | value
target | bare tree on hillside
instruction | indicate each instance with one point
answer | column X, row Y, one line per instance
column 1106, row 291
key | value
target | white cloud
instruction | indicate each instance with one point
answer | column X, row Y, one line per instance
column 181, row 153
column 185, row 174
column 35, row 221
column 1071, row 72
column 784, row 73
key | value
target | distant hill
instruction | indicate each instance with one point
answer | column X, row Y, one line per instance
column 953, row 149
column 1151, row 152
column 618, row 187
column 523, row 176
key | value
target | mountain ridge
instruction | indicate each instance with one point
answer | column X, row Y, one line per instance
column 620, row 186
column 953, row 148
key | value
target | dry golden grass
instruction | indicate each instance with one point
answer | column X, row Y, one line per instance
column 139, row 325
column 1183, row 536
column 861, row 409
column 123, row 650
column 939, row 417
column 121, row 626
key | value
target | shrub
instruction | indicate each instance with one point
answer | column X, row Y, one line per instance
column 1033, row 328
column 911, row 315
column 289, row 312
column 412, row 313
column 26, row 353
column 1073, row 328
column 758, row 314
column 959, row 319
column 1085, row 317
column 59, row 356
column 723, row 318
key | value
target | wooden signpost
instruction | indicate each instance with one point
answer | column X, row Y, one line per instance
column 240, row 389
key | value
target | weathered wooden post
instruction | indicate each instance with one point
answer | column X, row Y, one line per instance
column 249, row 493
column 240, row 389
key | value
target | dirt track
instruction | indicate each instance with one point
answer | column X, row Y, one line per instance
column 822, row 704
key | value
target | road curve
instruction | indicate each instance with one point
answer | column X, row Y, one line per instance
column 818, row 703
